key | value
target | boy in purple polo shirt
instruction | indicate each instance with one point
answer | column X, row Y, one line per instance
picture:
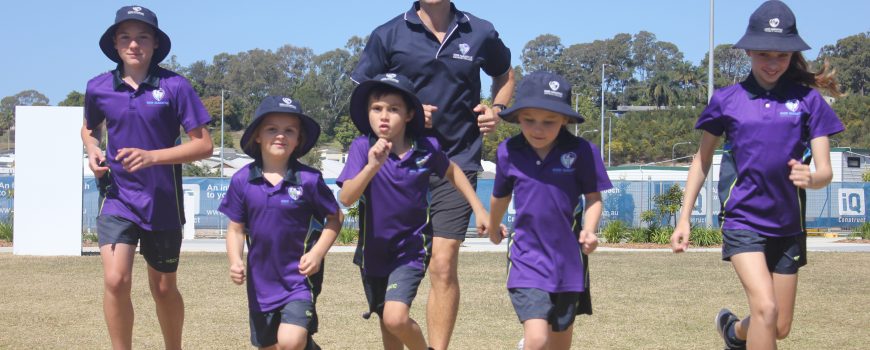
column 775, row 123
column 282, row 205
column 142, row 106
column 548, row 170
column 388, row 170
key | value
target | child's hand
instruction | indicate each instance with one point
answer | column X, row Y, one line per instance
column 680, row 237
column 134, row 159
column 309, row 264
column 427, row 114
column 800, row 174
column 481, row 221
column 237, row 272
column 588, row 241
column 97, row 162
column 379, row 151
column 497, row 234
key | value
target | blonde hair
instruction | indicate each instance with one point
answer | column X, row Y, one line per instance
column 799, row 72
column 255, row 147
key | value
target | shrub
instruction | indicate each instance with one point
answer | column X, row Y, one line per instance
column 615, row 231
column 863, row 231
column 6, row 229
column 347, row 235
column 661, row 235
column 638, row 235
column 703, row 237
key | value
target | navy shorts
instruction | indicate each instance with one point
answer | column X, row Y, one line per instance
column 449, row 211
column 559, row 309
column 785, row 255
column 264, row 325
column 160, row 248
column 401, row 285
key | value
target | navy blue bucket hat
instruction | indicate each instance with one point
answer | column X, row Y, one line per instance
column 359, row 102
column 141, row 14
column 543, row 90
column 772, row 27
column 281, row 104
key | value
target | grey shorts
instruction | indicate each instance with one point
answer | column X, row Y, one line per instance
column 449, row 211
column 559, row 309
column 784, row 255
column 160, row 248
column 401, row 285
column 264, row 325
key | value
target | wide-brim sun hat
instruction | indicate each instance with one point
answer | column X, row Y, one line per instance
column 281, row 104
column 359, row 102
column 772, row 27
column 141, row 14
column 543, row 90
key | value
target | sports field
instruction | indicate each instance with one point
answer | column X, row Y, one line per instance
column 642, row 300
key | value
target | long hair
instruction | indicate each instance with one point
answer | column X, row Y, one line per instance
column 799, row 72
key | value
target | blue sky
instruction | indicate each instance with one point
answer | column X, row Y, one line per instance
column 51, row 46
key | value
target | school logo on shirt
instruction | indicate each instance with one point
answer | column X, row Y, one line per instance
column 295, row 192
column 390, row 77
column 568, row 159
column 158, row 95
column 774, row 23
column 463, row 51
column 554, row 86
column 793, row 106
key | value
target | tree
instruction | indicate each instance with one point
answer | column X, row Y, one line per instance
column 23, row 98
column 730, row 65
column 345, row 133
column 851, row 57
column 668, row 203
column 216, row 138
column 542, row 53
column 73, row 99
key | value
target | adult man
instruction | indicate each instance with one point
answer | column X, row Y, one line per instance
column 442, row 50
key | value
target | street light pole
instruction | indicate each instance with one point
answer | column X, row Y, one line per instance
column 673, row 148
column 709, row 182
column 584, row 132
column 609, row 138
column 576, row 125
column 601, row 145
column 222, row 133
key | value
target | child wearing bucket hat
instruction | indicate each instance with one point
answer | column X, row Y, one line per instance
column 775, row 123
column 288, row 217
column 142, row 106
column 548, row 170
column 388, row 170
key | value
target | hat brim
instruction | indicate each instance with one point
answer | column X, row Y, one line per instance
column 359, row 107
column 310, row 128
column 510, row 115
column 760, row 42
column 107, row 44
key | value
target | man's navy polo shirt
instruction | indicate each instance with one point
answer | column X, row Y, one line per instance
column 446, row 76
column 764, row 130
column 147, row 118
column 394, row 208
column 283, row 223
column 544, row 252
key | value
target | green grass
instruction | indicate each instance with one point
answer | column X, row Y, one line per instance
column 641, row 300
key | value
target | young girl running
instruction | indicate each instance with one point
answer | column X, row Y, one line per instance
column 775, row 122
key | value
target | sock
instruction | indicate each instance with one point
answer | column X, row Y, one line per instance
column 732, row 334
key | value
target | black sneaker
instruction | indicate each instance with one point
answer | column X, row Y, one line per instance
column 724, row 320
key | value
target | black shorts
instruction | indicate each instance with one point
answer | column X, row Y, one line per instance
column 559, row 309
column 449, row 211
column 264, row 325
column 160, row 248
column 785, row 255
column 401, row 285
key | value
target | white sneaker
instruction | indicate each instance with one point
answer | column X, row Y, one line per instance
column 522, row 344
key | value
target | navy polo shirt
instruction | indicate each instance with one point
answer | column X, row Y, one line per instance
column 283, row 223
column 147, row 118
column 445, row 75
column 394, row 208
column 544, row 252
column 763, row 131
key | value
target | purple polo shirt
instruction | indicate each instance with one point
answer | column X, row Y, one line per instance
column 445, row 75
column 147, row 118
column 763, row 131
column 394, row 208
column 283, row 223
column 544, row 252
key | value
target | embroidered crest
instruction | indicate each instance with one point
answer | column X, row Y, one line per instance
column 158, row 94
column 774, row 22
column 792, row 105
column 463, row 48
column 295, row 192
column 554, row 85
column 568, row 159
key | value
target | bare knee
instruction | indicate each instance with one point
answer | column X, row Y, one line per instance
column 782, row 330
column 765, row 312
column 536, row 341
column 163, row 290
column 117, row 283
column 396, row 322
column 292, row 343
